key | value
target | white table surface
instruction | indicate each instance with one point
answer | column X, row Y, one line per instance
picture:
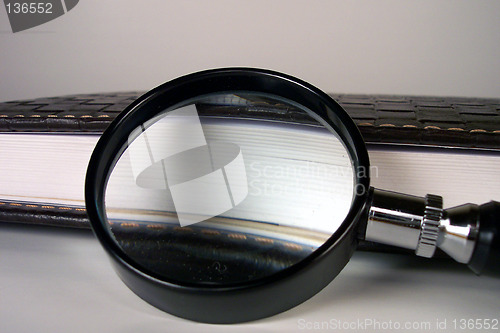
column 54, row 280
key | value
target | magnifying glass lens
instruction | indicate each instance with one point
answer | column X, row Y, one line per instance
column 227, row 188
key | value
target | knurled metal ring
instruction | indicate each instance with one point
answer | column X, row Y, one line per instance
column 430, row 226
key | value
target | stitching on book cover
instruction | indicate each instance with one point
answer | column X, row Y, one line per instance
column 129, row 225
column 17, row 204
column 477, row 130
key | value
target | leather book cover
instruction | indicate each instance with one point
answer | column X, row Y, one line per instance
column 466, row 123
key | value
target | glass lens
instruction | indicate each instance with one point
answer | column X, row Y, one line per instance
column 228, row 188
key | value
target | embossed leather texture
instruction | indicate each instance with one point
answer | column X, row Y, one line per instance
column 413, row 120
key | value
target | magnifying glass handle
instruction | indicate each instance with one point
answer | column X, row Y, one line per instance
column 485, row 259
column 468, row 233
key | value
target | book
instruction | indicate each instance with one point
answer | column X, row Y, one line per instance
column 417, row 145
column 51, row 168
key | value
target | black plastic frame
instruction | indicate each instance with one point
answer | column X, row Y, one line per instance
column 257, row 298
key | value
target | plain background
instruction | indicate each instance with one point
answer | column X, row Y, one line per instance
column 61, row 281
column 447, row 48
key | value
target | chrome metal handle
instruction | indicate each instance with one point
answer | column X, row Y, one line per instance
column 421, row 224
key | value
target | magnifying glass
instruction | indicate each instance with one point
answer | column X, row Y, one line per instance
column 234, row 194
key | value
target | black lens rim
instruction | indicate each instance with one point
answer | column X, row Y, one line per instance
column 228, row 304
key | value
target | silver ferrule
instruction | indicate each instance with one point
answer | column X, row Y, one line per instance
column 395, row 219
column 458, row 232
column 421, row 224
